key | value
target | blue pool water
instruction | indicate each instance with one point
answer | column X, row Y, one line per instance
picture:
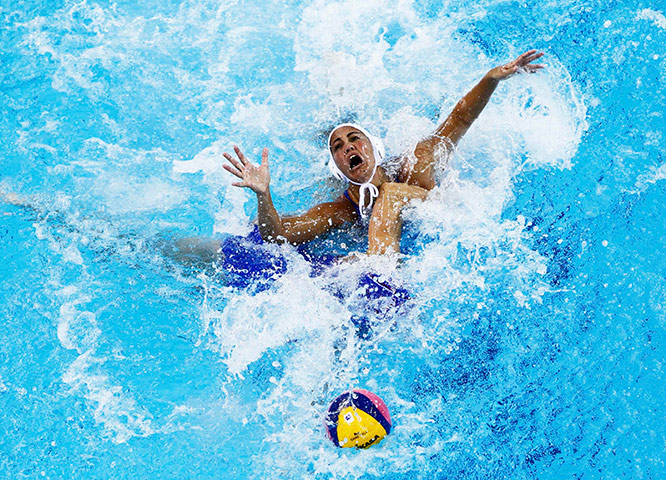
column 534, row 343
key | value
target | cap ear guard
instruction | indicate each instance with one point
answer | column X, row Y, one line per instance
column 333, row 168
column 378, row 148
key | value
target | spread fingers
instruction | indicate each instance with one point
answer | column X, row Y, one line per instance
column 240, row 155
column 233, row 161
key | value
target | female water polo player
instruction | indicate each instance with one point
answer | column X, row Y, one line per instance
column 373, row 195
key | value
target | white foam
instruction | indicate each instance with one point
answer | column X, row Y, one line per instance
column 209, row 160
column 250, row 325
column 541, row 117
column 77, row 330
column 657, row 18
column 654, row 175
column 252, row 115
column 232, row 218
column 113, row 407
column 405, row 128
column 543, row 114
column 129, row 195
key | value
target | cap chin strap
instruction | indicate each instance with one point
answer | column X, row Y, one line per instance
column 365, row 187
column 369, row 188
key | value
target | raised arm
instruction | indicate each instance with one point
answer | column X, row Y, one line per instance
column 293, row 229
column 420, row 171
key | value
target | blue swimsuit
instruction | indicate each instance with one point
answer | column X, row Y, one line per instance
column 250, row 263
column 358, row 210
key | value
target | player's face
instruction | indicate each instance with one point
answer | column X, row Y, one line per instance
column 353, row 154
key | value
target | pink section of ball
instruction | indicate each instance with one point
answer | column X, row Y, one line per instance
column 379, row 403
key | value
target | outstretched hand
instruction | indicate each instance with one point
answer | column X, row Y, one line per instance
column 521, row 64
column 254, row 177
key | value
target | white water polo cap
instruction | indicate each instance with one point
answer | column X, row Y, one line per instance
column 367, row 187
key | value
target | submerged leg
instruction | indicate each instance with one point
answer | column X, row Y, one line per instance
column 194, row 251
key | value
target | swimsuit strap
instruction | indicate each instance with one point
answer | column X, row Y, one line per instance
column 346, row 193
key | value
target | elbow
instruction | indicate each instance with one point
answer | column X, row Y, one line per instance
column 277, row 239
column 271, row 236
column 282, row 238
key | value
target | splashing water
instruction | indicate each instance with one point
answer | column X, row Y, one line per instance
column 532, row 344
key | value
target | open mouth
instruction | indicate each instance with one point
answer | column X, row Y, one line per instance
column 354, row 161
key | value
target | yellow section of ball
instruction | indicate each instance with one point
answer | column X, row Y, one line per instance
column 358, row 429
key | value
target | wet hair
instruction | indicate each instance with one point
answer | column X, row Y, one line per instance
column 323, row 132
